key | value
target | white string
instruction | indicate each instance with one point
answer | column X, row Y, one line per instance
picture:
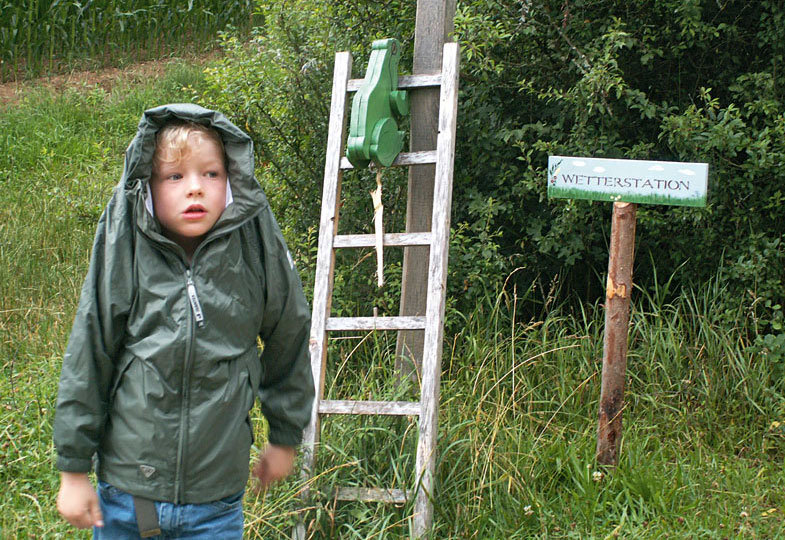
column 378, row 211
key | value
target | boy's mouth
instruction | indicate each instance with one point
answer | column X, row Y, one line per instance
column 195, row 211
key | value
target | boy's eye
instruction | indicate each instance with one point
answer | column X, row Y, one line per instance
column 174, row 176
column 212, row 174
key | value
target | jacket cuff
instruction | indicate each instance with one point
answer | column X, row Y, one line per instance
column 285, row 437
column 74, row 464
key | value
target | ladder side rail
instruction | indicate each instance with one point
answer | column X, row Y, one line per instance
column 437, row 282
column 325, row 258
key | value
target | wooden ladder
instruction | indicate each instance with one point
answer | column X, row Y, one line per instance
column 427, row 409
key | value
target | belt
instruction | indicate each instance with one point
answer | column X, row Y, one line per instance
column 146, row 517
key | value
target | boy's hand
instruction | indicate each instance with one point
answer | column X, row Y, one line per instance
column 274, row 464
column 77, row 501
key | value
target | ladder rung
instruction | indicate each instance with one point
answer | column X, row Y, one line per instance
column 404, row 81
column 389, row 239
column 404, row 159
column 375, row 323
column 391, row 408
column 392, row 496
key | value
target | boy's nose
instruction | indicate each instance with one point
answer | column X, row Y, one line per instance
column 194, row 184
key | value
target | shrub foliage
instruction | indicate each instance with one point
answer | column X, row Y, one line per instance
column 693, row 80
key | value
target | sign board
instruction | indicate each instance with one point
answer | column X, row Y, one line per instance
column 627, row 180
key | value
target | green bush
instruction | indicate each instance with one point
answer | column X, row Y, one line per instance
column 664, row 80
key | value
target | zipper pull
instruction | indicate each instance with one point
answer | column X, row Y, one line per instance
column 194, row 299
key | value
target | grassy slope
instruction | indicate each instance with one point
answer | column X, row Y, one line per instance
column 702, row 453
column 62, row 155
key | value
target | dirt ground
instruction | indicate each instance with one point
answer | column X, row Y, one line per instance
column 106, row 78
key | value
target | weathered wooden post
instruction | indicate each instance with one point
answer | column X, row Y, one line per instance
column 617, row 318
column 433, row 25
column 631, row 181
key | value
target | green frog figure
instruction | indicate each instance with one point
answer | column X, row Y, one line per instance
column 373, row 131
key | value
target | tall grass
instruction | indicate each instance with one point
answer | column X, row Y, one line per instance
column 49, row 35
column 703, row 437
column 701, row 454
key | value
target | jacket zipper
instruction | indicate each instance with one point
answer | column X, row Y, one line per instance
column 195, row 315
column 194, row 299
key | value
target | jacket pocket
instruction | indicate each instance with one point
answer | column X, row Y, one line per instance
column 117, row 378
column 254, row 367
column 254, row 370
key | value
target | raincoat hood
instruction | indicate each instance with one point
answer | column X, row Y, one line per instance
column 246, row 195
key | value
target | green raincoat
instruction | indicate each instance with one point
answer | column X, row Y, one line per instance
column 162, row 366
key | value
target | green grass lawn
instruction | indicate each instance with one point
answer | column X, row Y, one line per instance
column 704, row 435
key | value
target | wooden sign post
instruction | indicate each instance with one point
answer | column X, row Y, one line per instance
column 617, row 318
column 625, row 183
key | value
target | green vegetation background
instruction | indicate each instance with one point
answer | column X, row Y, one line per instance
column 44, row 36
column 688, row 80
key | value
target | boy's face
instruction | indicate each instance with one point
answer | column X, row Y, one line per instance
column 189, row 195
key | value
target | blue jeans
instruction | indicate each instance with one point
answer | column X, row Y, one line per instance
column 217, row 520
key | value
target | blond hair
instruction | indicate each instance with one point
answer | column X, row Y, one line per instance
column 171, row 141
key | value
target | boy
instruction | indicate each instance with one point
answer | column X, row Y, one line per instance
column 188, row 270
